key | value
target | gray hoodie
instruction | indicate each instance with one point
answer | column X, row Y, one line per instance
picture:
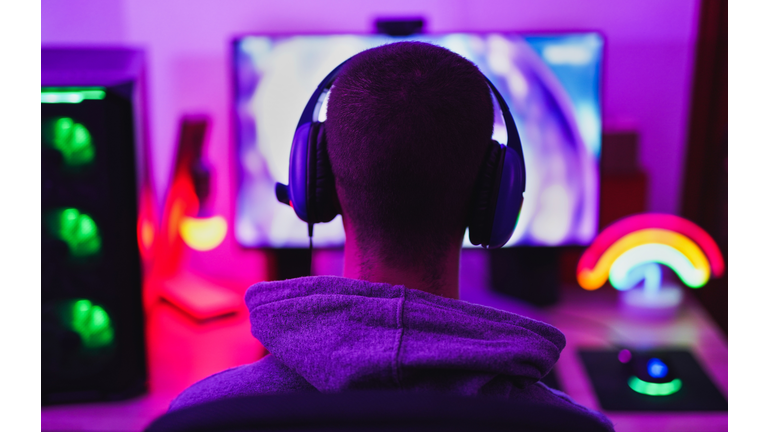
column 331, row 334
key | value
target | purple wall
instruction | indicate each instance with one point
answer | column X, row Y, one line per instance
column 650, row 46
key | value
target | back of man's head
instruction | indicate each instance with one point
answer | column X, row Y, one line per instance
column 408, row 126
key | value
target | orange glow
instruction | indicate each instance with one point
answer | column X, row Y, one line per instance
column 146, row 226
column 147, row 235
column 181, row 203
column 203, row 234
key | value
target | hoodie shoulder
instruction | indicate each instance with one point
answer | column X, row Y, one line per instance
column 266, row 376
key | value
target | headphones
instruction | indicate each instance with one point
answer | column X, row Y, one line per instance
column 311, row 189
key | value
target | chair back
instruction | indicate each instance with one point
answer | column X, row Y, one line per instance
column 372, row 411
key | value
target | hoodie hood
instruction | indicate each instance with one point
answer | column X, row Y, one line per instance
column 345, row 334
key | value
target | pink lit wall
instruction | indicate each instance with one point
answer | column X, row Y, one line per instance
column 650, row 47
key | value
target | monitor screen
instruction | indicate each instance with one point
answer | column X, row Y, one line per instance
column 551, row 83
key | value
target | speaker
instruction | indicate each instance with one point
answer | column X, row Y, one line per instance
column 93, row 343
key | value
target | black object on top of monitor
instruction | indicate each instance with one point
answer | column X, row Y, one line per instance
column 399, row 26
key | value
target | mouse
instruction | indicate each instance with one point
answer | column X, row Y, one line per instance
column 650, row 373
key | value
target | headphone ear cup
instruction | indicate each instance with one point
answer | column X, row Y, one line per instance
column 322, row 198
column 509, row 201
column 486, row 192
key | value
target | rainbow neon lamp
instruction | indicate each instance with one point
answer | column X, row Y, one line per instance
column 631, row 251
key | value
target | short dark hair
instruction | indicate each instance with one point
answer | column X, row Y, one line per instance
column 408, row 125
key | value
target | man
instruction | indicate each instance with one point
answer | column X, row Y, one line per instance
column 408, row 128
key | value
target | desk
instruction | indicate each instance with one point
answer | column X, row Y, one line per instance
column 182, row 352
column 591, row 319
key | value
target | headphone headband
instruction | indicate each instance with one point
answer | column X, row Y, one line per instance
column 513, row 138
column 308, row 115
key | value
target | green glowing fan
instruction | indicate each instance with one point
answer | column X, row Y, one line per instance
column 92, row 323
column 79, row 231
column 73, row 141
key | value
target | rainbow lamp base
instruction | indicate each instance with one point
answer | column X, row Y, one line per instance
column 662, row 303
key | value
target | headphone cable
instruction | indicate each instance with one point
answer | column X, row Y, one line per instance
column 310, row 227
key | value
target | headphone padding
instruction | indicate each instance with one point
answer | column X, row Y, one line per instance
column 486, row 192
column 509, row 201
column 324, row 201
column 298, row 172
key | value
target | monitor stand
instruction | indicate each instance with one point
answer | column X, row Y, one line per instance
column 531, row 274
column 289, row 263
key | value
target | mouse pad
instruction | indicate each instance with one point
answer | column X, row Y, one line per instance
column 610, row 378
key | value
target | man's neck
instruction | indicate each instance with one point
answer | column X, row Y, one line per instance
column 356, row 266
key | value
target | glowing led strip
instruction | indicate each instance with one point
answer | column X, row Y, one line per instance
column 631, row 224
column 654, row 389
column 594, row 278
column 71, row 94
column 203, row 234
column 658, row 253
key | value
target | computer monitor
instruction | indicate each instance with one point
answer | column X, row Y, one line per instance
column 551, row 83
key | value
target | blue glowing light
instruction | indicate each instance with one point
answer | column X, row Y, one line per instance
column 657, row 368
